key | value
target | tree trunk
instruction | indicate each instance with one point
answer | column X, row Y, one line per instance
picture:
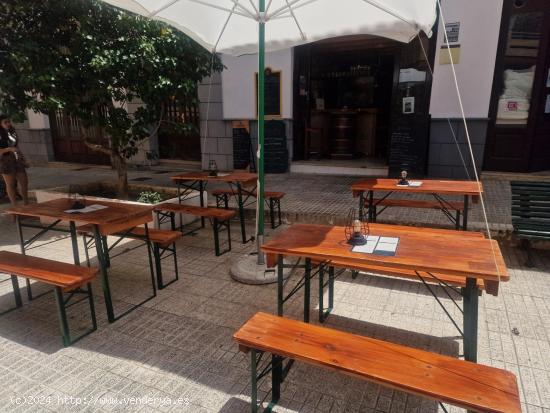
column 119, row 164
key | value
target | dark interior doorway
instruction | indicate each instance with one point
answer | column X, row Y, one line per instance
column 517, row 139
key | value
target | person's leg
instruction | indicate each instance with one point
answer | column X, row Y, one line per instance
column 23, row 182
column 9, row 180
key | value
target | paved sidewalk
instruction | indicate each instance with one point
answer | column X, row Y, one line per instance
column 179, row 345
column 309, row 198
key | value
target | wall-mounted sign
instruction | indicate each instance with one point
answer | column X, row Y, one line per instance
column 453, row 30
column 408, row 105
column 446, row 53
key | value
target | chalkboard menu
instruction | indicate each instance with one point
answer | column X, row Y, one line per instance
column 409, row 145
column 272, row 93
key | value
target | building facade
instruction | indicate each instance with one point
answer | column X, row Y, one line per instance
column 364, row 104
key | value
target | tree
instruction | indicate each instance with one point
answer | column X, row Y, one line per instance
column 90, row 60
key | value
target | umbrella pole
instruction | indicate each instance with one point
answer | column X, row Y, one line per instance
column 261, row 134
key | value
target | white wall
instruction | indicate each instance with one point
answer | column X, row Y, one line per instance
column 37, row 120
column 479, row 32
column 239, row 90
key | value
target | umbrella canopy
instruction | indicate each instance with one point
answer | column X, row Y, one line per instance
column 231, row 26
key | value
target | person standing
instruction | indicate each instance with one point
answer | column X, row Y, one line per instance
column 12, row 163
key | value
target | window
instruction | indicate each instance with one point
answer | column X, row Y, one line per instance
column 273, row 106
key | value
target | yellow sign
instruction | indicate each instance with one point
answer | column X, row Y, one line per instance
column 445, row 59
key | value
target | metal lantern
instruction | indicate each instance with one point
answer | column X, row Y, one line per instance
column 76, row 199
column 357, row 231
column 213, row 167
column 403, row 180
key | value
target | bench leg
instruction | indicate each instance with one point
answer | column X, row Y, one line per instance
column 526, row 245
column 86, row 252
column 278, row 204
column 457, row 220
column 324, row 313
column 272, row 213
column 16, row 295
column 465, row 213
column 63, row 322
column 354, row 274
column 158, row 266
column 280, row 285
column 92, row 306
column 471, row 297
column 253, row 381
column 215, row 226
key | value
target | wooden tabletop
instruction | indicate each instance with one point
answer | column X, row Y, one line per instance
column 116, row 217
column 237, row 177
column 432, row 186
column 422, row 249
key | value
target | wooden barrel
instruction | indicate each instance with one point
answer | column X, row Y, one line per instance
column 343, row 132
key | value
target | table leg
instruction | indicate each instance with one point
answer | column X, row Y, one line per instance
column 74, row 242
column 280, row 285
column 471, row 297
column 362, row 206
column 307, row 289
column 151, row 270
column 104, row 276
column 465, row 214
column 201, row 190
column 241, row 212
column 254, row 381
column 371, row 207
column 22, row 248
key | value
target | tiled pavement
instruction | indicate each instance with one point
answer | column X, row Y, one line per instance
column 179, row 345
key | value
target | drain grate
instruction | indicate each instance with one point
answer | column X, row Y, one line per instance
column 141, row 179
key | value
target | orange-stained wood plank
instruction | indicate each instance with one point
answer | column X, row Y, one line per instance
column 417, row 203
column 442, row 187
column 422, row 249
column 458, row 382
column 219, row 213
column 245, row 178
column 60, row 274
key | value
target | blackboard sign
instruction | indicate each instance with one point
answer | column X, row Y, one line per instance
column 272, row 93
column 409, row 145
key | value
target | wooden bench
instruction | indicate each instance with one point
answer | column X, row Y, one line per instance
column 531, row 212
column 163, row 245
column 446, row 206
column 442, row 378
column 272, row 198
column 219, row 218
column 66, row 278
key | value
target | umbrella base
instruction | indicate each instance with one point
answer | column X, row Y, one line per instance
column 246, row 270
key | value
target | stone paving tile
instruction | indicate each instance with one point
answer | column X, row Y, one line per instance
column 179, row 344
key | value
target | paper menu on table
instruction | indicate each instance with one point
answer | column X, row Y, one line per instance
column 415, row 184
column 378, row 246
column 89, row 208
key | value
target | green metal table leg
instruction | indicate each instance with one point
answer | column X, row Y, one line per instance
column 149, row 255
column 16, row 291
column 471, row 297
column 372, row 216
column 63, row 322
column 272, row 212
column 280, row 285
column 92, row 306
column 241, row 212
column 158, row 266
column 74, row 242
column 253, row 381
column 465, row 213
column 104, row 275
column 307, row 289
column 330, row 288
column 362, row 206
column 216, row 236
column 276, row 378
column 201, row 190
column 22, row 248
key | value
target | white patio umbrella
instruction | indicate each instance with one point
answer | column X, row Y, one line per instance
column 253, row 26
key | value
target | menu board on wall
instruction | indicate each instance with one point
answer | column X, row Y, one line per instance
column 409, row 145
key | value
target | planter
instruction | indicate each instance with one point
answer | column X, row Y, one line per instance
column 92, row 191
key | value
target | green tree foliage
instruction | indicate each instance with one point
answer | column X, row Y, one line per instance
column 91, row 60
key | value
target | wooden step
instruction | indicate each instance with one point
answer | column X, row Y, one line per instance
column 59, row 274
column 218, row 213
column 435, row 376
column 417, row 203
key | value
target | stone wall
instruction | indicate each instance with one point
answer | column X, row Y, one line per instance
column 444, row 155
column 36, row 144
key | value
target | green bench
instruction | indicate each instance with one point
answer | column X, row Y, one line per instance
column 531, row 213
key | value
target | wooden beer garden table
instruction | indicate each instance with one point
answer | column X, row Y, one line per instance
column 469, row 190
column 422, row 250
column 242, row 184
column 118, row 218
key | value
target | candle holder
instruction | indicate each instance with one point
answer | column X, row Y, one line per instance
column 357, row 231
column 213, row 168
column 76, row 199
